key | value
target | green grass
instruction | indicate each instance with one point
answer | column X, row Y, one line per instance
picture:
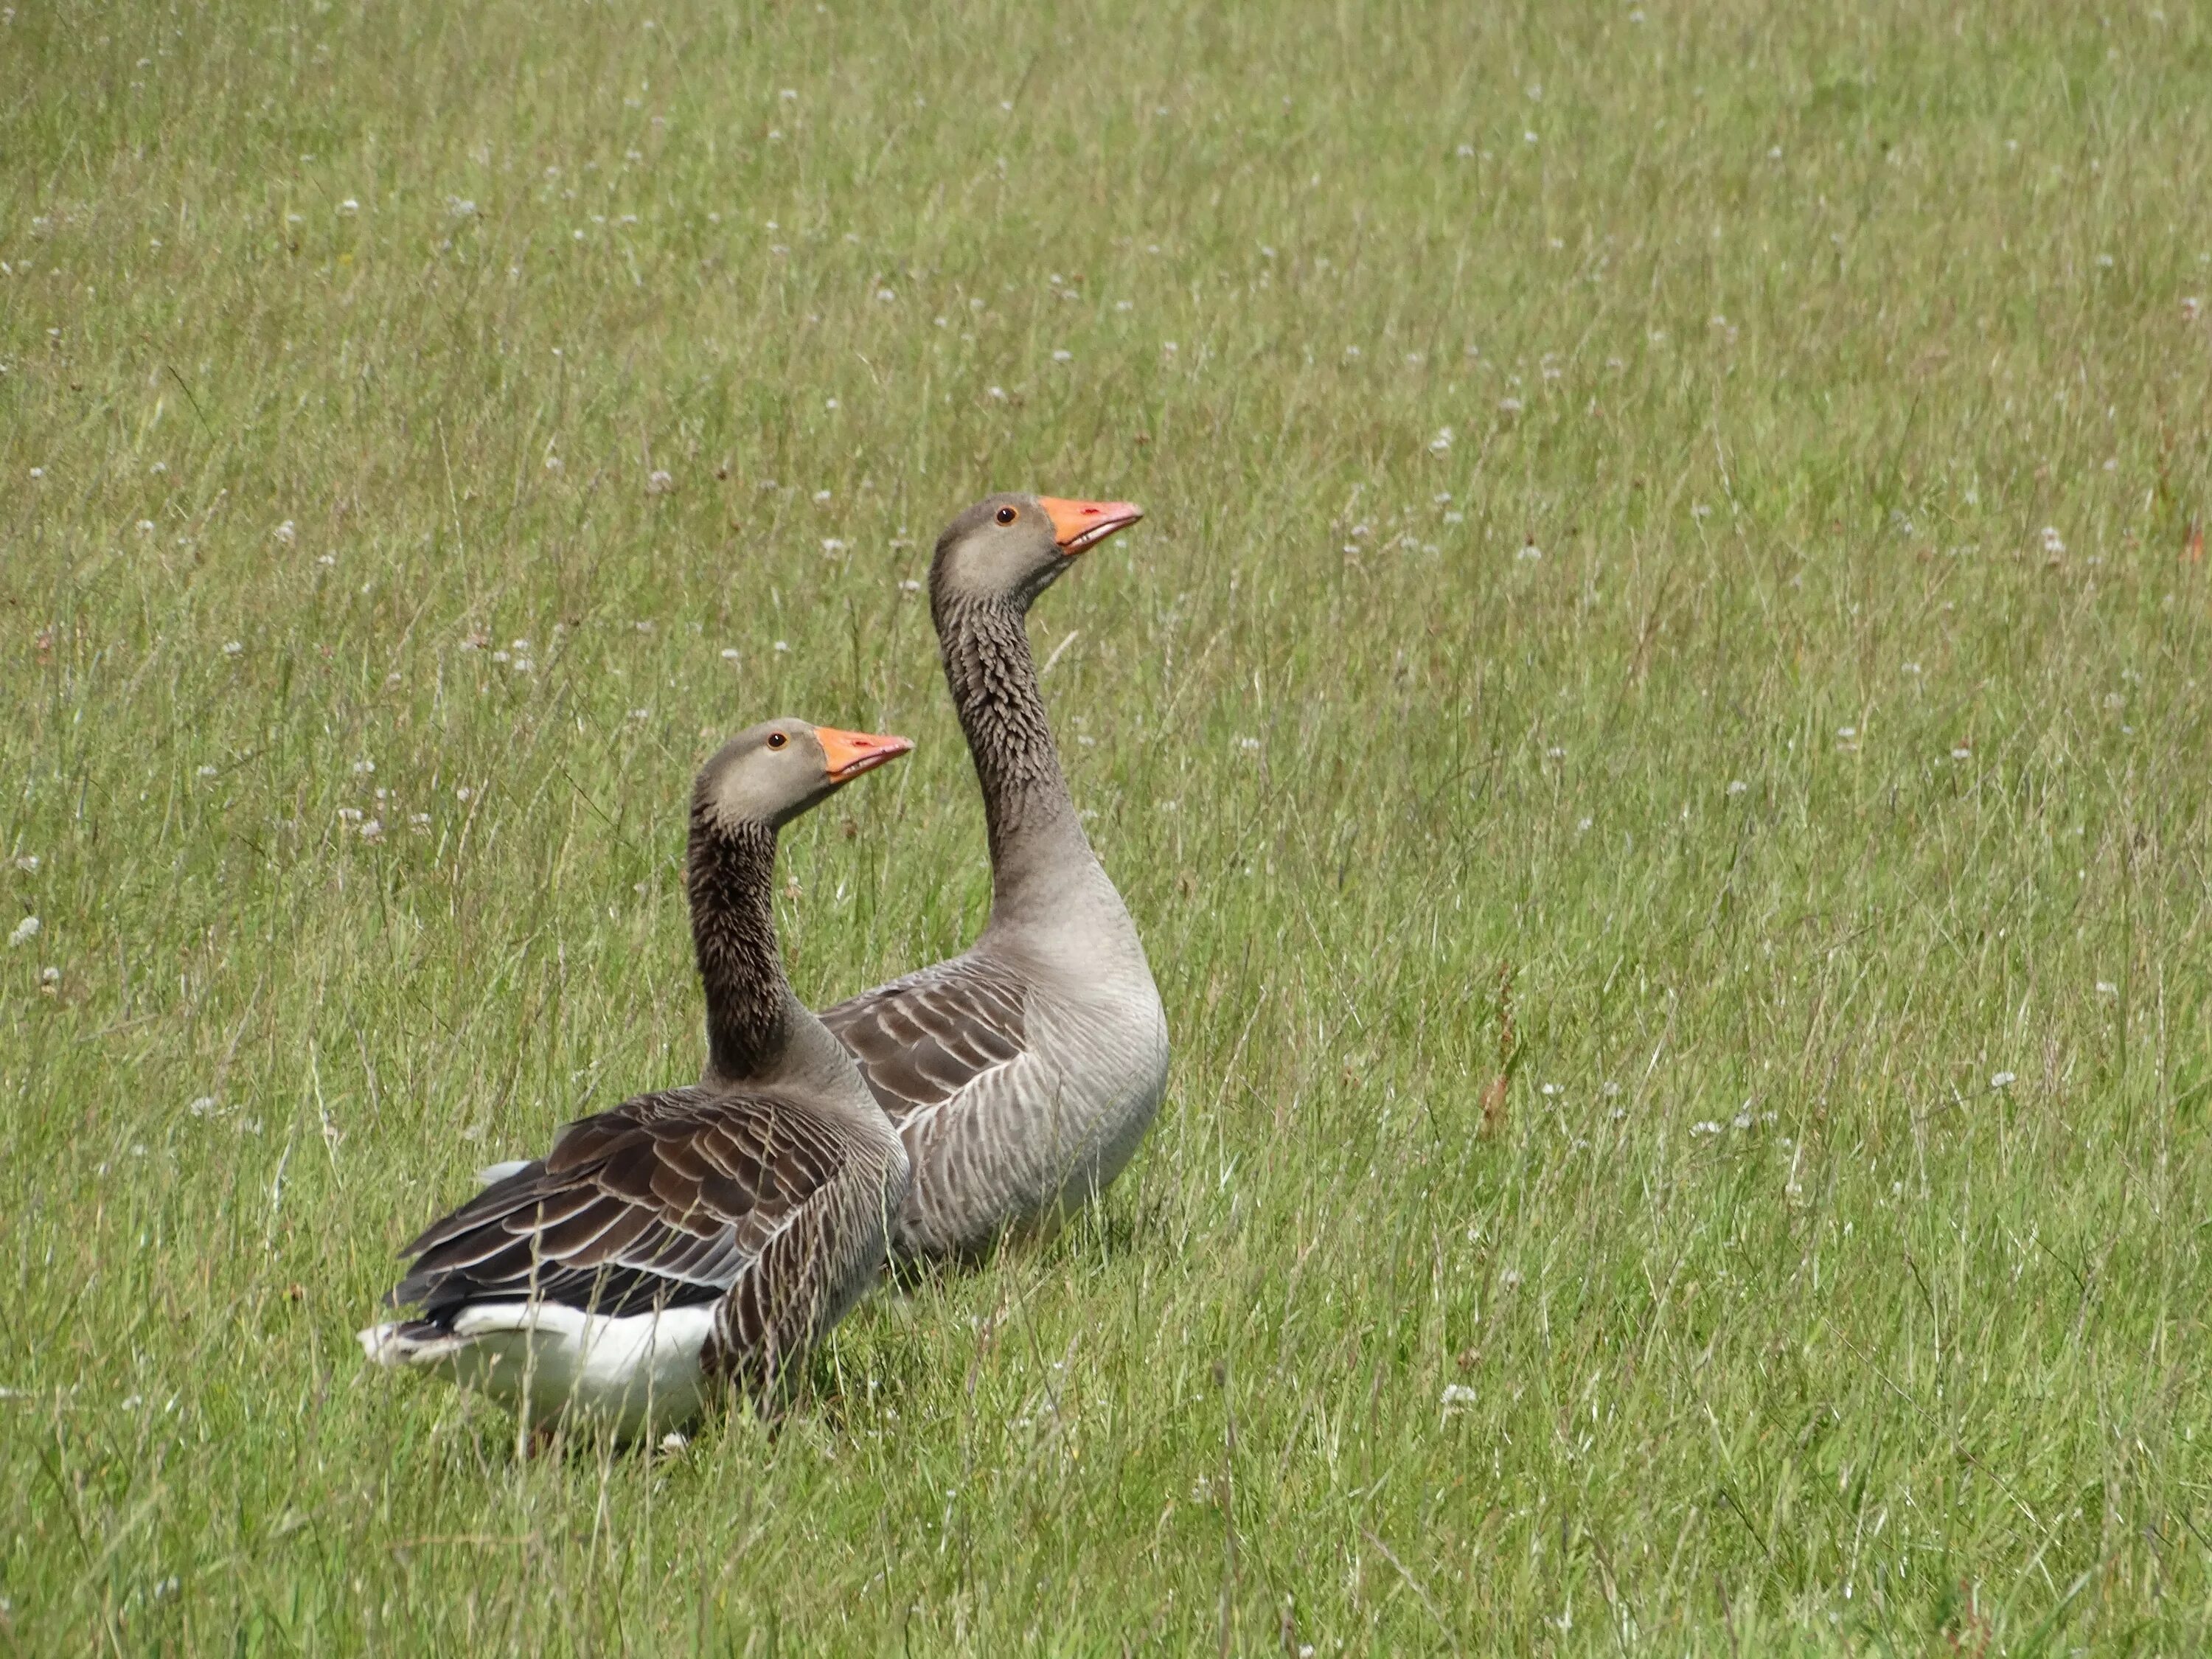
column 1766, row 361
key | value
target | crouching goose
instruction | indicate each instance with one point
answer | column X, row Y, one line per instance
column 1023, row 1074
column 697, row 1235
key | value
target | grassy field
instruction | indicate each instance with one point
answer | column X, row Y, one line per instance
column 1668, row 582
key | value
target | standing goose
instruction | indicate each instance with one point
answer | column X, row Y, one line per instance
column 1023, row 1074
column 710, row 1232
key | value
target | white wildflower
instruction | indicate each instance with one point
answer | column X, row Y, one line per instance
column 25, row 931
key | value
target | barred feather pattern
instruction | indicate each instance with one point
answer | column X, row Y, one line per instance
column 675, row 1199
column 1010, row 1110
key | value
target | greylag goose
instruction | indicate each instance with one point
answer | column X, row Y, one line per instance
column 1024, row 1074
column 699, row 1234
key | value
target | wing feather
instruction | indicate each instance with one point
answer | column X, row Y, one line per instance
column 665, row 1200
column 922, row 1040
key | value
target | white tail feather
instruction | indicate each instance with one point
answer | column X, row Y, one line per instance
column 632, row 1369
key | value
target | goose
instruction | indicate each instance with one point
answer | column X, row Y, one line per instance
column 697, row 1235
column 1023, row 1074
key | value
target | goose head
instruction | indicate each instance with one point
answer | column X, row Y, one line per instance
column 1011, row 548
column 771, row 773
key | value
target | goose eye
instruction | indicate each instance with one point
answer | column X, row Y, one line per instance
column 1007, row 515
column 776, row 739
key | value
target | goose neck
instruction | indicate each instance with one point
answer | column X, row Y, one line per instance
column 1035, row 837
column 749, row 1003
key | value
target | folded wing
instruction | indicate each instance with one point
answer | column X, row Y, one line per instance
column 922, row 1040
column 667, row 1200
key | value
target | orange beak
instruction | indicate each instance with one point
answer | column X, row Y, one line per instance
column 848, row 753
column 1079, row 526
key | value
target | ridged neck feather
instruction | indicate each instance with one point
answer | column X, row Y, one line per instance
column 1028, row 812
column 730, row 877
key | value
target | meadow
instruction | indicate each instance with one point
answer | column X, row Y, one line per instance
column 1654, row 730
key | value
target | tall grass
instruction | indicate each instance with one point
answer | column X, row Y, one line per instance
column 1667, row 581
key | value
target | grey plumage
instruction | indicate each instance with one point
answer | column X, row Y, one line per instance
column 772, row 1214
column 696, row 1235
column 1022, row 1074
